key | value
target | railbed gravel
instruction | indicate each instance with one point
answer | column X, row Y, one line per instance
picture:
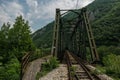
column 60, row 73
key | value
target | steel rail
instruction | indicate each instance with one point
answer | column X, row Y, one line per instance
column 69, row 63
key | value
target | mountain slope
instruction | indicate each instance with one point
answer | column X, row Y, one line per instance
column 105, row 21
column 43, row 37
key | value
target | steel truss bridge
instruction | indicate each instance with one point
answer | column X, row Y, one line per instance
column 74, row 35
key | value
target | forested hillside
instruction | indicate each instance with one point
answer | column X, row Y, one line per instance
column 106, row 21
column 43, row 41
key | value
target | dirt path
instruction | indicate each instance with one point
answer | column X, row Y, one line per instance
column 33, row 68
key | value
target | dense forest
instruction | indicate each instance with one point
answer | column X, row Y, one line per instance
column 15, row 41
column 105, row 21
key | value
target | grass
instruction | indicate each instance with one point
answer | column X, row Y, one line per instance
column 73, row 69
column 102, row 70
column 47, row 67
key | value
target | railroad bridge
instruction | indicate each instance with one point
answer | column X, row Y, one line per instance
column 74, row 35
column 73, row 40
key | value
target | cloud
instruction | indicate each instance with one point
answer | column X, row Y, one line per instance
column 37, row 12
column 44, row 10
column 9, row 10
column 32, row 3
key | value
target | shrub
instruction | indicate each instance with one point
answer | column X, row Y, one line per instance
column 105, row 50
column 53, row 62
column 112, row 64
column 38, row 54
column 11, row 70
column 96, row 71
column 73, row 69
column 47, row 67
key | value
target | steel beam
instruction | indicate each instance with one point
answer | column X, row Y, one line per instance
column 54, row 50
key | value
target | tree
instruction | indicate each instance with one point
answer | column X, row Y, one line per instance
column 14, row 42
column 4, row 42
column 20, row 37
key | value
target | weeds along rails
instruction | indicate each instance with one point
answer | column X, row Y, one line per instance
column 77, row 70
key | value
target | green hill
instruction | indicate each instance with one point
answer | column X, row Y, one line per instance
column 106, row 25
column 105, row 21
column 43, row 37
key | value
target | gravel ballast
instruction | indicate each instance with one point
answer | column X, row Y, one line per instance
column 60, row 73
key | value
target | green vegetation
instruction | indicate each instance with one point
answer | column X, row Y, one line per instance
column 47, row 67
column 73, row 69
column 106, row 50
column 110, row 58
column 14, row 42
column 46, row 40
column 98, row 70
column 39, row 53
column 112, row 65
column 105, row 14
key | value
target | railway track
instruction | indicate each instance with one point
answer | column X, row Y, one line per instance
column 77, row 70
column 24, row 63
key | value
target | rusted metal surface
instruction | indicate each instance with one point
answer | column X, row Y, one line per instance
column 24, row 63
column 92, row 44
column 54, row 50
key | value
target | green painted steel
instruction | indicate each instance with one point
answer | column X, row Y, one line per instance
column 73, row 34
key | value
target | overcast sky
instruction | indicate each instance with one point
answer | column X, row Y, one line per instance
column 37, row 12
